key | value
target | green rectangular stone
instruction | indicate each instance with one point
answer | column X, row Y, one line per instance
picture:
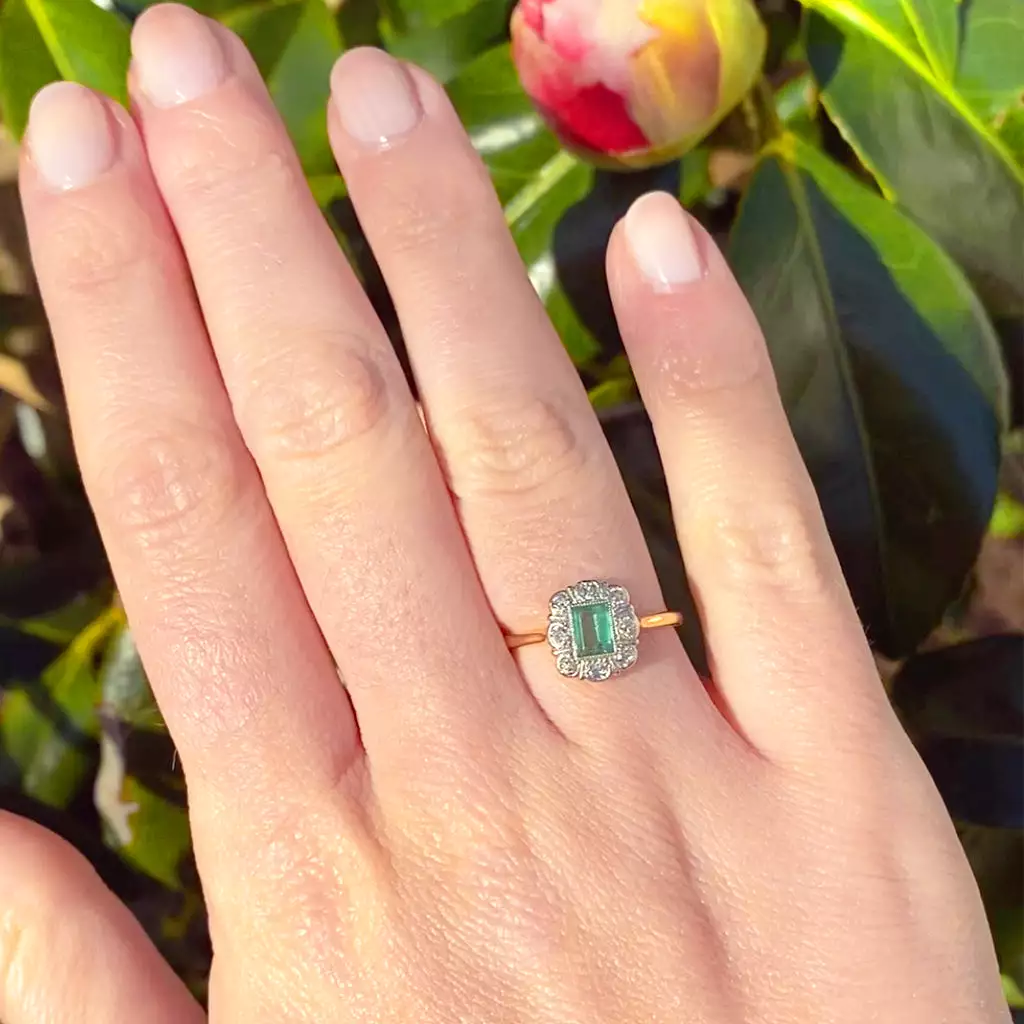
column 593, row 630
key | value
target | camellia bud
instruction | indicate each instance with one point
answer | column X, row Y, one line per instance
column 633, row 83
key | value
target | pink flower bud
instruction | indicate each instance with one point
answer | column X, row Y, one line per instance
column 632, row 83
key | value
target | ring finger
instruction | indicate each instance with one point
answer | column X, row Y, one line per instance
column 539, row 495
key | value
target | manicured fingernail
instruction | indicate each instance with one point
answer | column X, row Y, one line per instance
column 176, row 56
column 374, row 96
column 69, row 135
column 662, row 241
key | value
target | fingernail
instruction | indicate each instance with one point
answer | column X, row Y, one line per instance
column 69, row 135
column 176, row 56
column 662, row 241
column 374, row 96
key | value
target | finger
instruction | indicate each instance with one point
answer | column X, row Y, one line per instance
column 69, row 949
column 539, row 495
column 319, row 396
column 237, row 663
column 777, row 613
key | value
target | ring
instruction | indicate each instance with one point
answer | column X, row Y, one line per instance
column 593, row 630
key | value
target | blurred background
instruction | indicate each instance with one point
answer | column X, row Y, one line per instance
column 861, row 162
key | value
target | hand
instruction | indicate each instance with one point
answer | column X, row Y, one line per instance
column 454, row 833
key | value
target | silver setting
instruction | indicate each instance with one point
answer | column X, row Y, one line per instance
column 625, row 631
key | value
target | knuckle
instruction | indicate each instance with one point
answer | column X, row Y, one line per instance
column 775, row 549
column 442, row 209
column 156, row 489
column 221, row 158
column 332, row 397
column 100, row 250
column 507, row 447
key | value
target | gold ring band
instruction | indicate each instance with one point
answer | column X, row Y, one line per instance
column 593, row 630
column 656, row 621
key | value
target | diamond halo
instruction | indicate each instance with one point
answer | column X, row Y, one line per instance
column 593, row 630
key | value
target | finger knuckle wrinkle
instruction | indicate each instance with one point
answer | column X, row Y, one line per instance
column 504, row 448
column 312, row 411
column 228, row 160
column 98, row 251
column 161, row 487
column 777, row 551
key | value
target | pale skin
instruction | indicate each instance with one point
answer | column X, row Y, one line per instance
column 456, row 833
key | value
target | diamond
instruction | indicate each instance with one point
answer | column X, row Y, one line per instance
column 559, row 635
column 626, row 626
column 593, row 629
column 596, row 670
column 625, row 657
column 566, row 664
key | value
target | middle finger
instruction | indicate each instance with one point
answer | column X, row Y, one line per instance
column 537, row 489
column 319, row 397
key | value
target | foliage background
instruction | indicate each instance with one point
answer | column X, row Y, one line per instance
column 870, row 196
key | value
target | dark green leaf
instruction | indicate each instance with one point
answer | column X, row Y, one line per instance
column 295, row 45
column 964, row 707
column 23, row 656
column 446, row 50
column 991, row 73
column 996, row 856
column 926, row 146
column 891, row 377
column 44, row 40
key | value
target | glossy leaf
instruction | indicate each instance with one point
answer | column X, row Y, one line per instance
column 937, row 26
column 964, row 707
column 45, row 40
column 48, row 727
column 449, row 48
column 991, row 70
column 891, row 377
column 536, row 181
column 411, row 15
column 140, row 791
column 927, row 147
column 295, row 45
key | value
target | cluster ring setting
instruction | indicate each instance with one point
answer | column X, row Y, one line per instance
column 593, row 630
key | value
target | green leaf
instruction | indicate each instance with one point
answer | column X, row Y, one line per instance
column 991, row 73
column 140, row 792
column 45, row 40
column 534, row 179
column 327, row 188
column 532, row 215
column 892, row 380
column 927, row 147
column 502, row 123
column 295, row 45
column 48, row 727
column 410, row 15
column 937, row 25
column 449, row 48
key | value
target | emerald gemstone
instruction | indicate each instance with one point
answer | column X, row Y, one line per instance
column 593, row 629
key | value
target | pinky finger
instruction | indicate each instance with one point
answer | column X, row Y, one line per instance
column 69, row 949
